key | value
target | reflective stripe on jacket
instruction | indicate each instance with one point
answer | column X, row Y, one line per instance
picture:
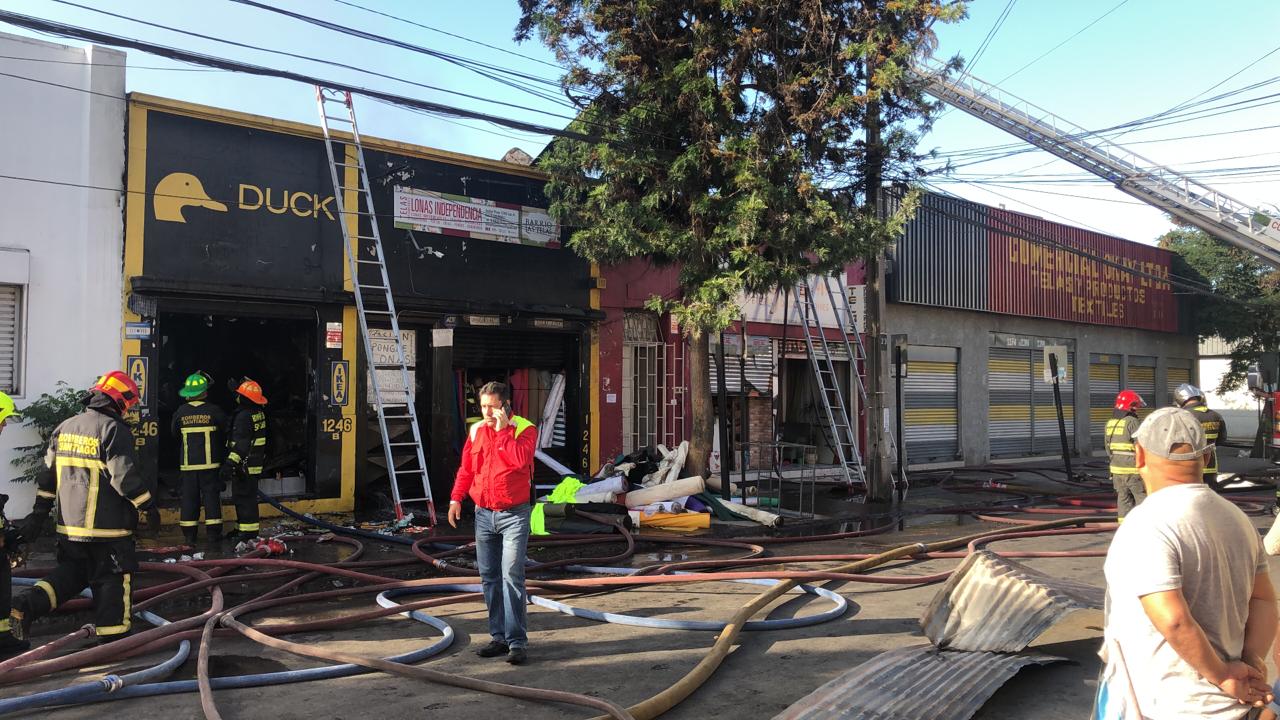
column 93, row 475
column 248, row 445
column 1215, row 428
column 1119, row 444
column 496, row 468
column 199, row 425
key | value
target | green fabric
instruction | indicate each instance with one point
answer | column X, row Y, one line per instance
column 538, row 521
column 566, row 490
column 718, row 508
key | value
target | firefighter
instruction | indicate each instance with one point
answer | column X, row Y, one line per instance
column 1190, row 397
column 1119, row 443
column 200, row 424
column 91, row 472
column 246, row 454
column 10, row 540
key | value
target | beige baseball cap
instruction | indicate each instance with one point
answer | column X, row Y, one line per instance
column 1168, row 427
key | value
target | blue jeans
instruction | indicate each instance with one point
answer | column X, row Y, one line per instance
column 502, row 537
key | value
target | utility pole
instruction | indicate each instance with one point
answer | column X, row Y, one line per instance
column 879, row 482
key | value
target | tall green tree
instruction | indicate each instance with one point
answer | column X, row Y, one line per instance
column 729, row 138
column 1246, row 311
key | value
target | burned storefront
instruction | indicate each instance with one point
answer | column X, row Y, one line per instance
column 235, row 265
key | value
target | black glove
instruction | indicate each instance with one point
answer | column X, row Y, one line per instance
column 153, row 519
column 226, row 473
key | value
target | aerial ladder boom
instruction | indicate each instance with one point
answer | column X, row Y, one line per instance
column 1191, row 201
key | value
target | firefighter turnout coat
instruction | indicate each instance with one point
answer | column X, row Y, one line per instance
column 93, row 474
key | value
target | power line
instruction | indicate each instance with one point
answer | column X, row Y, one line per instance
column 1073, row 36
column 486, row 70
column 96, row 64
column 450, row 34
column 308, row 58
column 93, row 36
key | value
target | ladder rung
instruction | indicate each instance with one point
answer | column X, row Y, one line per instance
column 368, row 262
column 411, row 471
column 377, row 312
column 403, row 444
column 338, row 119
column 373, row 287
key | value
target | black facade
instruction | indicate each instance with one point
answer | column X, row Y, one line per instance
column 235, row 266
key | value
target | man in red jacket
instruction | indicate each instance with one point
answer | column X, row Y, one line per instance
column 496, row 471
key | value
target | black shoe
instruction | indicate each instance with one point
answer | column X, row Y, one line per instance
column 517, row 656
column 493, row 649
column 11, row 646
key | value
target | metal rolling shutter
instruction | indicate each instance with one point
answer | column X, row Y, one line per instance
column 1047, row 439
column 10, row 334
column 1141, row 378
column 759, row 373
column 1179, row 372
column 1009, row 402
column 1104, row 385
column 929, row 422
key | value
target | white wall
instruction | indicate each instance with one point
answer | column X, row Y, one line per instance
column 1238, row 407
column 73, row 234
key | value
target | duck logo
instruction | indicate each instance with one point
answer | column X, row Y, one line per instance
column 178, row 191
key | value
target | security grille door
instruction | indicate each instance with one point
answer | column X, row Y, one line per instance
column 1141, row 378
column 1104, row 385
column 10, row 335
column 1179, row 372
column 1009, row 401
column 929, row 422
column 643, row 378
column 1048, row 440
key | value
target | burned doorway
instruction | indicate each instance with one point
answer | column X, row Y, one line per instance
column 276, row 350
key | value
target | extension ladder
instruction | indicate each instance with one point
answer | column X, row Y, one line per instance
column 406, row 461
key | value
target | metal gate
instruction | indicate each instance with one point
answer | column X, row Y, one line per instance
column 1179, row 372
column 1047, row 437
column 644, row 377
column 929, row 419
column 1022, row 418
column 1104, row 385
column 1140, row 377
column 1009, row 402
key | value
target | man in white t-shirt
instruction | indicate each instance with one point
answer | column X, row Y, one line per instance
column 1190, row 609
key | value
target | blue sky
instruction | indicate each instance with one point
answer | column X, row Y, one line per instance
column 1144, row 57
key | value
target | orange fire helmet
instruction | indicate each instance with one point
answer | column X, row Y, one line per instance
column 252, row 390
column 119, row 387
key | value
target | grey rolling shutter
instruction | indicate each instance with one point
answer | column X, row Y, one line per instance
column 10, row 335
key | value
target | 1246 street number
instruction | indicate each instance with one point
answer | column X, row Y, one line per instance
column 336, row 426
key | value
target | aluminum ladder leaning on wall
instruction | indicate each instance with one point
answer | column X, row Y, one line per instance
column 406, row 461
column 1194, row 202
column 839, row 431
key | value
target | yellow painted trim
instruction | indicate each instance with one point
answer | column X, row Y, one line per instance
column 346, row 500
column 350, row 200
column 135, row 214
column 594, row 373
column 263, row 122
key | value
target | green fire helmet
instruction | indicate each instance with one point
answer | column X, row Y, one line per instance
column 7, row 410
column 197, row 384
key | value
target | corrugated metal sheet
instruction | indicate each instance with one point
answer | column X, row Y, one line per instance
column 941, row 259
column 992, row 604
column 961, row 254
column 1140, row 376
column 929, row 423
column 1215, row 347
column 1009, row 402
column 1104, row 384
column 917, row 682
column 1028, row 278
column 1178, row 372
